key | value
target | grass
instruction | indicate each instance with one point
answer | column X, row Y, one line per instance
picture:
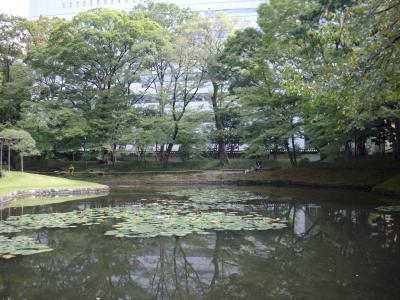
column 16, row 181
column 310, row 175
column 149, row 166
column 383, row 173
column 380, row 174
column 391, row 186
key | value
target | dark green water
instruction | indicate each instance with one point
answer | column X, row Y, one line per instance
column 337, row 246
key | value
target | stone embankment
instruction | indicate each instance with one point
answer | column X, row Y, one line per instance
column 52, row 192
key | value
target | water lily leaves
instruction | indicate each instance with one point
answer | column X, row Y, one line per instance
column 172, row 222
column 213, row 196
column 201, row 212
column 20, row 245
column 394, row 208
column 52, row 220
column 5, row 228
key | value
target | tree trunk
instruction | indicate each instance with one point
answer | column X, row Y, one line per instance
column 161, row 152
column 167, row 152
column 347, row 152
column 9, row 157
column 382, row 142
column 360, row 149
column 222, row 155
column 22, row 163
column 1, row 157
column 275, row 152
column 396, row 144
column 12, row 162
column 294, row 151
column 114, row 154
column 290, row 154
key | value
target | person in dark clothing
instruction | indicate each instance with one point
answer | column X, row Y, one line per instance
column 258, row 166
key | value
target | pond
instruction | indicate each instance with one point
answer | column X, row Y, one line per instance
column 204, row 243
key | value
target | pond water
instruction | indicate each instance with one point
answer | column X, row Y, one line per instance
column 335, row 245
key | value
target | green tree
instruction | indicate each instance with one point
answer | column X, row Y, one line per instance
column 176, row 74
column 92, row 63
column 26, row 145
column 266, row 74
column 213, row 32
column 15, row 76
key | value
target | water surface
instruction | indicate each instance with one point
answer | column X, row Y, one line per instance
column 336, row 246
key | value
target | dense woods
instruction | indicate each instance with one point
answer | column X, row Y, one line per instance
column 326, row 71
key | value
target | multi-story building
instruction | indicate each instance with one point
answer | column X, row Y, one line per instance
column 243, row 11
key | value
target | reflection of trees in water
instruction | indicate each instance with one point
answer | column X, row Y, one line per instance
column 325, row 251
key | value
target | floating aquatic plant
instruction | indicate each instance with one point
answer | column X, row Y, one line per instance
column 165, row 218
column 20, row 245
column 394, row 208
column 213, row 196
column 150, row 223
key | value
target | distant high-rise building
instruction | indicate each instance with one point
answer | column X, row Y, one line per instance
column 243, row 11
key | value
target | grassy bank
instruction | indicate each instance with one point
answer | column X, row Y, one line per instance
column 378, row 175
column 390, row 186
column 148, row 166
column 16, row 181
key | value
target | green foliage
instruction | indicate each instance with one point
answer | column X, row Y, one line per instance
column 327, row 70
column 26, row 145
column 324, row 69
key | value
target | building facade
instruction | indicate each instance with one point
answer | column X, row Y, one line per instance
column 244, row 12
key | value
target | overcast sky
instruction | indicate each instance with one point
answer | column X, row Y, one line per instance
column 15, row 7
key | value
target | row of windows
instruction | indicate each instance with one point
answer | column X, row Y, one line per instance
column 92, row 2
column 105, row 2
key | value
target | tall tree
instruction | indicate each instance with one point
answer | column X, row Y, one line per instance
column 213, row 32
column 95, row 60
column 14, row 75
column 175, row 75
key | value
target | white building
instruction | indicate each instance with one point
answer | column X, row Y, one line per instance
column 243, row 11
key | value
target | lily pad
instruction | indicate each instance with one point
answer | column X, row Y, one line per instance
column 164, row 221
column 20, row 245
column 394, row 208
column 200, row 211
column 213, row 196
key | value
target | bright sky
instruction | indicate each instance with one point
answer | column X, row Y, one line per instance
column 15, row 7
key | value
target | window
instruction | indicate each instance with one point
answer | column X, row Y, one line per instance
column 91, row 2
column 112, row 1
column 70, row 5
column 105, row 1
column 84, row 3
column 63, row 4
column 77, row 3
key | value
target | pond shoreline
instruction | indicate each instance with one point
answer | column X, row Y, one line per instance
column 272, row 183
column 51, row 192
column 365, row 188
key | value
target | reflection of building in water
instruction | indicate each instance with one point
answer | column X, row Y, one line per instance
column 302, row 218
